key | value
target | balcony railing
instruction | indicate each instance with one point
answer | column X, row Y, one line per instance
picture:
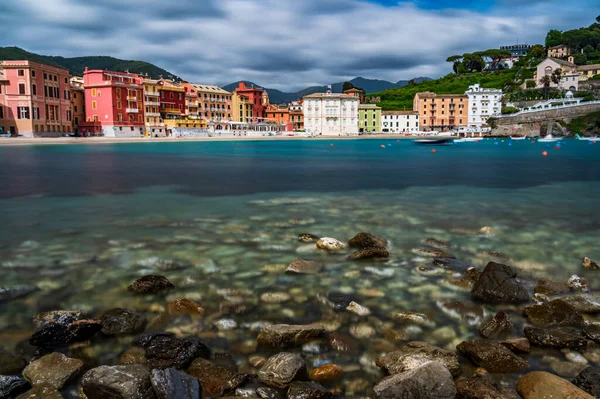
column 155, row 103
column 192, row 104
column 131, row 98
column 150, row 94
column 173, row 110
column 152, row 114
column 132, row 110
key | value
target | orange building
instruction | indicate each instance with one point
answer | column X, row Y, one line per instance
column 441, row 111
column 296, row 115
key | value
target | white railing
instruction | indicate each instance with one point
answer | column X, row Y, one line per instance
column 548, row 108
column 152, row 114
column 155, row 103
column 132, row 110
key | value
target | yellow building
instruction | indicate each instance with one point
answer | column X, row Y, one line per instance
column 186, row 123
column 241, row 107
column 153, row 122
column 559, row 51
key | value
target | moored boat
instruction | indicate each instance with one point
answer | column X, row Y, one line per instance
column 518, row 137
column 434, row 141
column 549, row 139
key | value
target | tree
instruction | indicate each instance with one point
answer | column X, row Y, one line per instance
column 347, row 86
column 473, row 62
column 580, row 59
column 455, row 60
column 537, row 50
column 554, row 38
column 588, row 49
column 495, row 55
column 598, row 19
column 545, row 81
column 530, row 84
column 556, row 76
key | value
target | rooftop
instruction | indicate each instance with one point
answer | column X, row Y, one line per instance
column 557, row 46
column 588, row 67
column 562, row 62
column 209, row 89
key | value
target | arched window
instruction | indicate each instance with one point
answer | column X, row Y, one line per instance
column 548, row 70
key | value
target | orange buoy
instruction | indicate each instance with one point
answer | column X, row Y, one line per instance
column 557, row 147
column 545, row 153
column 382, row 146
column 433, row 151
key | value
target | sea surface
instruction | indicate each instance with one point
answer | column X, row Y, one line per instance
column 221, row 221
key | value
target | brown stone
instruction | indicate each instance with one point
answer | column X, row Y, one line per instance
column 285, row 335
column 211, row 377
column 555, row 313
column 547, row 287
column 518, row 345
column 590, row 264
column 52, row 370
column 326, row 373
column 301, row 266
column 41, row 392
column 543, row 385
column 342, row 343
column 184, row 306
column 500, row 326
column 492, row 356
column 415, row 354
column 150, row 285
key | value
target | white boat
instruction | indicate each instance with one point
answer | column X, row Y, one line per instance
column 549, row 139
column 518, row 138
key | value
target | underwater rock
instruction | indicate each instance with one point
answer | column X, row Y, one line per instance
column 150, row 285
column 498, row 327
column 358, row 309
column 19, row 291
column 431, row 380
column 408, row 317
column 118, row 382
column 282, row 369
column 415, row 354
column 331, row 244
column 435, row 243
column 498, row 284
column 122, row 322
column 584, row 303
column 547, row 287
column 367, row 240
column 164, row 350
column 492, row 356
column 11, row 364
column 301, row 266
column 308, row 238
column 212, row 378
column 589, row 264
column 326, row 373
column 369, row 253
column 286, row 335
column 184, row 306
column 557, row 337
column 555, row 313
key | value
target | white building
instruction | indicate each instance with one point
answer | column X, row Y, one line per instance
column 399, row 122
column 483, row 103
column 330, row 114
column 569, row 74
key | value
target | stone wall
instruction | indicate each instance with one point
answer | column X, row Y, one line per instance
column 565, row 114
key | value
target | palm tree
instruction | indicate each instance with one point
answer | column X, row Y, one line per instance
column 545, row 81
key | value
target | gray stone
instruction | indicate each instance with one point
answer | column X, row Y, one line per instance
column 547, row 287
column 492, row 356
column 122, row 322
column 164, row 350
column 498, row 327
column 557, row 337
column 584, row 303
column 174, row 384
column 414, row 355
column 429, row 381
column 52, row 370
column 498, row 284
column 589, row 381
column 64, row 332
column 285, row 335
column 555, row 313
column 11, row 386
column 118, row 382
column 282, row 369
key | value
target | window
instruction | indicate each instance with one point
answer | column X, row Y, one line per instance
column 36, row 113
column 23, row 112
column 1, row 112
column 34, row 90
column 33, row 76
column 21, row 88
column 21, row 72
column 119, row 105
column 180, row 96
column 45, row 75
column 55, row 78
column 93, row 104
column 66, row 80
column 95, row 118
column 93, row 92
column 171, row 95
column 119, row 117
column 69, row 117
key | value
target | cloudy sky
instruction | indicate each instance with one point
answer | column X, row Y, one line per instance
column 285, row 44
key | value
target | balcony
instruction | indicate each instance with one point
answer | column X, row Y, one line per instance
column 131, row 98
column 132, row 110
column 192, row 104
column 149, row 94
column 173, row 110
column 152, row 114
column 155, row 103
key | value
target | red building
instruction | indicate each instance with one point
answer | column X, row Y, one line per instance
column 172, row 99
column 256, row 98
column 114, row 103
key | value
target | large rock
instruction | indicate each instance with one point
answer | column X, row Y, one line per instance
column 555, row 313
column 150, row 285
column 282, row 369
column 174, row 384
column 589, row 381
column 492, row 356
column 584, row 303
column 367, row 240
column 118, row 382
column 543, row 385
column 65, row 331
column 122, row 322
column 331, row 244
column 164, row 350
column 286, row 335
column 429, row 381
column 301, row 266
column 41, row 392
column 480, row 388
column 212, row 378
column 556, row 337
column 369, row 253
column 547, row 287
column 307, row 390
column 498, row 327
column 498, row 284
column 11, row 386
column 19, row 291
column 592, row 331
column 414, row 355
column 11, row 364
column 589, row 264
column 52, row 370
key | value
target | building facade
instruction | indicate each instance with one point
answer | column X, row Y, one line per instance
column 279, row 115
column 517, row 50
column 588, row 71
column 441, row 111
column 569, row 74
column 483, row 103
column 77, row 101
column 172, row 100
column 403, row 122
column 35, row 99
column 214, row 104
column 256, row 97
column 114, row 103
column 296, row 115
column 369, row 118
column 559, row 51
column 241, row 108
column 154, row 124
column 330, row 114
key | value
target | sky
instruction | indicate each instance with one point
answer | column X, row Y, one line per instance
column 285, row 44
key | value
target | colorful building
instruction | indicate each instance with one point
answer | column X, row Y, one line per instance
column 77, row 101
column 172, row 100
column 35, row 99
column 241, row 108
column 280, row 115
column 483, row 104
column 330, row 114
column 255, row 95
column 569, row 74
column 114, row 103
column 369, row 118
column 404, row 122
column 296, row 115
column 356, row 92
column 559, row 51
column 214, row 105
column 517, row 50
column 155, row 126
column 441, row 111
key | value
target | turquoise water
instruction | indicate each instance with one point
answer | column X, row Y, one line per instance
column 81, row 222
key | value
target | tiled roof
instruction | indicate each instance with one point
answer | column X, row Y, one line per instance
column 209, row 89
column 563, row 62
column 557, row 46
column 588, row 67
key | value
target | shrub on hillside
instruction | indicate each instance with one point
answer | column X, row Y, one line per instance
column 509, row 110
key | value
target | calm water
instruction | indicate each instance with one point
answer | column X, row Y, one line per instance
column 81, row 222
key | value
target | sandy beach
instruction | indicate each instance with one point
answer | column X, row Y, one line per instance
column 16, row 141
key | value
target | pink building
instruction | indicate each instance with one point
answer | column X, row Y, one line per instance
column 35, row 99
column 114, row 104
column 256, row 98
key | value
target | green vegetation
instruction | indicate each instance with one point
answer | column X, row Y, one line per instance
column 77, row 65
column 582, row 39
column 586, row 125
column 509, row 110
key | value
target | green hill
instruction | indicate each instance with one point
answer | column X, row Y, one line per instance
column 77, row 65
